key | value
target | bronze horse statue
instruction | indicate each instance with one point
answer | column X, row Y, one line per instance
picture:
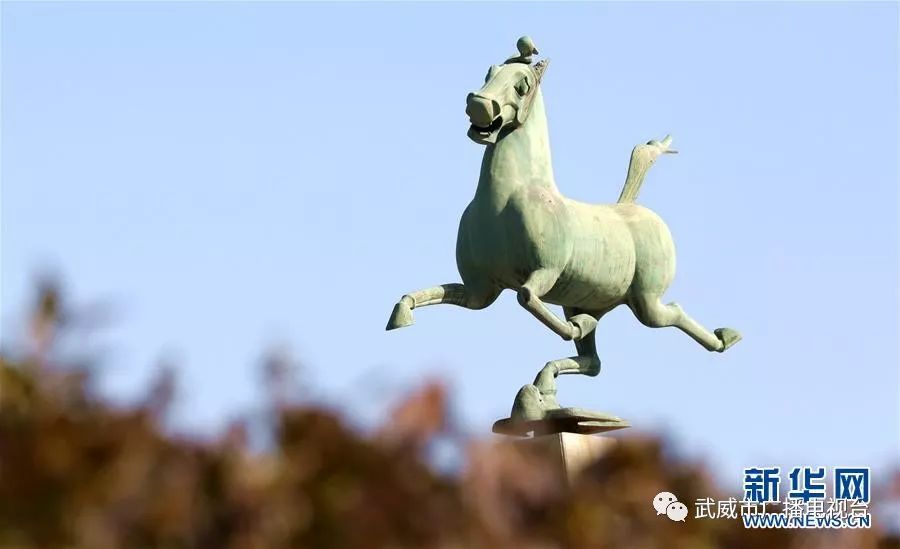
column 520, row 233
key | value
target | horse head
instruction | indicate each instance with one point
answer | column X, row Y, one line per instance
column 505, row 100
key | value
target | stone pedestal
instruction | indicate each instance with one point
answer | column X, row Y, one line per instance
column 572, row 452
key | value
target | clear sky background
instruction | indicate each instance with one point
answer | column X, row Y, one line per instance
column 238, row 176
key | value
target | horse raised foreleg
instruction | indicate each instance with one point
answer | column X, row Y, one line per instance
column 454, row 294
column 538, row 284
column 651, row 312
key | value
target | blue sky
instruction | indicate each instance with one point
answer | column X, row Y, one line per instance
column 239, row 176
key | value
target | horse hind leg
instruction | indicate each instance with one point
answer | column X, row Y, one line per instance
column 650, row 311
column 586, row 363
column 534, row 400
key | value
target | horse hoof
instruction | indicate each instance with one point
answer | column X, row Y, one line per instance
column 585, row 323
column 529, row 404
column 401, row 317
column 728, row 337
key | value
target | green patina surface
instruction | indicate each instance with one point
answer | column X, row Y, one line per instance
column 520, row 233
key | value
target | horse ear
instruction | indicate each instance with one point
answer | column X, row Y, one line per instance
column 491, row 72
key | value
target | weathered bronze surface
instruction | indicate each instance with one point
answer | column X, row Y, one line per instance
column 520, row 233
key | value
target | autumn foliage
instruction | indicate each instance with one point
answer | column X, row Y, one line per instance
column 77, row 471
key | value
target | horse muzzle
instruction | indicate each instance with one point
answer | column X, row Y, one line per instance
column 486, row 117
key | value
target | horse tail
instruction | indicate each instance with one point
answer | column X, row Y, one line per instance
column 642, row 157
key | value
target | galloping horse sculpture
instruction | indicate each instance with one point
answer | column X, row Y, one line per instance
column 519, row 232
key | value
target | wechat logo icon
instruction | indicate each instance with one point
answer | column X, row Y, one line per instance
column 667, row 504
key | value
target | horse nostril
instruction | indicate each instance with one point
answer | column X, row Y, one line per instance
column 482, row 111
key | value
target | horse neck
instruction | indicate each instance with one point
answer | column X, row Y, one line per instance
column 521, row 157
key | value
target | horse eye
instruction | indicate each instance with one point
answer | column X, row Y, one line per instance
column 522, row 87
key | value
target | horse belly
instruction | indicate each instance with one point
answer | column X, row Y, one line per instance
column 602, row 264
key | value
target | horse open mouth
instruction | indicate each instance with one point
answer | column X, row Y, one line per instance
column 495, row 125
column 481, row 134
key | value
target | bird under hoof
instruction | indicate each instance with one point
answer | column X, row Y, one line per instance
column 533, row 414
column 728, row 337
column 401, row 317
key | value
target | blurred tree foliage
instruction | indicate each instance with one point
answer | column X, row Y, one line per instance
column 77, row 471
